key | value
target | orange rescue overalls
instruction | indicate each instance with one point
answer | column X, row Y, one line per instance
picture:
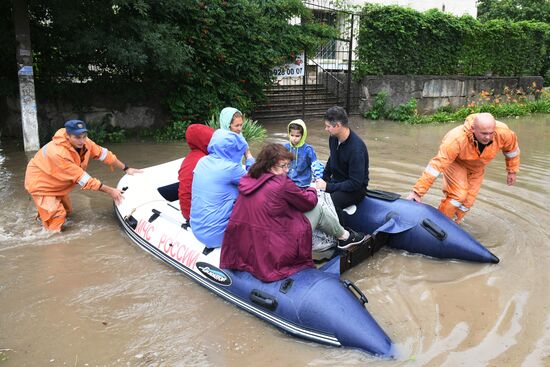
column 55, row 170
column 463, row 166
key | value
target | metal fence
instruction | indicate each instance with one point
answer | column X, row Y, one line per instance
column 332, row 65
column 327, row 71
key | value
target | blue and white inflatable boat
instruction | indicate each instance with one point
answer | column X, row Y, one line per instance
column 416, row 228
column 313, row 304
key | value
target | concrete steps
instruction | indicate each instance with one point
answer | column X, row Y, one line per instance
column 284, row 103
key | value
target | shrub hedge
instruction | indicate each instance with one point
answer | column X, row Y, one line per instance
column 400, row 41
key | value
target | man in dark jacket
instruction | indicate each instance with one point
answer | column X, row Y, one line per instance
column 346, row 174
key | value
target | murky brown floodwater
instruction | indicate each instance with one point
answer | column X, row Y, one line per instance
column 89, row 296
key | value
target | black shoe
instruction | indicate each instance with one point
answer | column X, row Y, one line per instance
column 355, row 238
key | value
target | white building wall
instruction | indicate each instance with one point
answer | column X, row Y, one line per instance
column 455, row 7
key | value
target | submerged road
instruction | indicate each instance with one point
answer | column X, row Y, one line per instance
column 89, row 296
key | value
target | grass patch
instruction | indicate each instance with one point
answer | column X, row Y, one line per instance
column 496, row 109
column 519, row 105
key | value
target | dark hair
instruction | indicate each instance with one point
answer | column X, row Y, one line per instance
column 268, row 157
column 296, row 127
column 235, row 115
column 336, row 114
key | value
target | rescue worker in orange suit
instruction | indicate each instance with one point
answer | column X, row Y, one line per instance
column 60, row 165
column 462, row 157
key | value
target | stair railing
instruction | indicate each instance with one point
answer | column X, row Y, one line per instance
column 337, row 82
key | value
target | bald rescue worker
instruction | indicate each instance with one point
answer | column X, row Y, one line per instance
column 60, row 165
column 462, row 157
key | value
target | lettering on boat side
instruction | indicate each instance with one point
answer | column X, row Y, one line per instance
column 177, row 250
column 213, row 273
column 170, row 246
column 145, row 229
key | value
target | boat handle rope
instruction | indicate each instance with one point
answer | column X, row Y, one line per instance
column 356, row 291
column 125, row 188
column 183, row 225
column 145, row 203
column 158, row 214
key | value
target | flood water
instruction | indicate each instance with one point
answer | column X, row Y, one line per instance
column 90, row 297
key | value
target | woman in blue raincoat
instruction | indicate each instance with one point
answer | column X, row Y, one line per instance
column 214, row 190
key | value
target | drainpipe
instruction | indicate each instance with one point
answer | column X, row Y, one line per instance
column 27, row 97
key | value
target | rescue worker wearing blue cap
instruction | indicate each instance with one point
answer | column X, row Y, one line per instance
column 60, row 165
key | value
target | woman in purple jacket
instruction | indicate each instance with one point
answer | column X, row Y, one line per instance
column 269, row 233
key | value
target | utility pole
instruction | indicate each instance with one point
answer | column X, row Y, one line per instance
column 27, row 96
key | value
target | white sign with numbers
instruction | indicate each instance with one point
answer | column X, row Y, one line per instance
column 293, row 70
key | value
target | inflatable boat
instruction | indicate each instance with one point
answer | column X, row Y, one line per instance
column 415, row 227
column 313, row 304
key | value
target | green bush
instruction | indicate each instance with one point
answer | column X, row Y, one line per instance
column 400, row 41
column 101, row 132
column 540, row 106
column 8, row 65
column 407, row 111
column 497, row 109
column 175, row 131
column 118, row 136
column 378, row 109
column 404, row 111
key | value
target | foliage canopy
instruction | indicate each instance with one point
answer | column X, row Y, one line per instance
column 515, row 10
column 198, row 55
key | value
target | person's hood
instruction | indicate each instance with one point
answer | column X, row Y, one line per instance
column 198, row 137
column 304, row 135
column 62, row 138
column 227, row 145
column 248, row 185
column 226, row 116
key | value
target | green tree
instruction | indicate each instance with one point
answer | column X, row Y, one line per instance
column 198, row 55
column 516, row 10
column 8, row 70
